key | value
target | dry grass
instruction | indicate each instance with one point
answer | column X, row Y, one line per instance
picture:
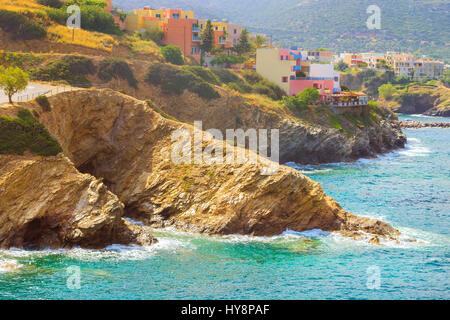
column 20, row 5
column 90, row 39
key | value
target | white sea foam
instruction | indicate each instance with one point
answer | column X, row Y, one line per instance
column 7, row 265
column 113, row 252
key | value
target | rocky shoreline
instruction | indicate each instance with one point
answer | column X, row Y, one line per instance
column 421, row 124
column 118, row 165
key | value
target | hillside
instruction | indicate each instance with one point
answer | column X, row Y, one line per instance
column 420, row 26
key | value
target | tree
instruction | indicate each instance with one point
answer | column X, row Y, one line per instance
column 341, row 66
column 173, row 54
column 243, row 45
column 309, row 95
column 207, row 38
column 386, row 91
column 259, row 41
column 13, row 80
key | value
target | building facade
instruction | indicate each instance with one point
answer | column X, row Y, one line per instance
column 180, row 28
column 293, row 72
column 428, row 68
column 353, row 59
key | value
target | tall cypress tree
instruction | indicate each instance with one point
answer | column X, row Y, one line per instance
column 243, row 45
column 207, row 38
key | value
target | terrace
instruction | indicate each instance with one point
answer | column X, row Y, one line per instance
column 345, row 99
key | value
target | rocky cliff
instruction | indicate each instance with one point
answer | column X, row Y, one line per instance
column 47, row 203
column 433, row 100
column 312, row 137
column 125, row 143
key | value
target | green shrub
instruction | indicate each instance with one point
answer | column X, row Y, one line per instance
column 20, row 27
column 25, row 133
column 44, row 103
column 269, row 89
column 203, row 73
column 70, row 68
column 293, row 103
column 154, row 35
column 226, row 76
column 173, row 54
column 51, row 3
column 18, row 59
column 386, row 91
column 93, row 15
column 263, row 86
column 252, row 77
column 175, row 81
column 116, row 68
column 228, row 60
column 240, row 87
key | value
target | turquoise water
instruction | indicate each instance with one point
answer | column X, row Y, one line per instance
column 409, row 189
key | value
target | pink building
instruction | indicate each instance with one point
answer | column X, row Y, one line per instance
column 293, row 72
column 298, row 85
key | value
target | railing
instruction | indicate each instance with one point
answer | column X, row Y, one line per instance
column 311, row 78
column 195, row 29
column 59, row 89
column 222, row 42
column 346, row 104
column 195, row 39
column 30, row 96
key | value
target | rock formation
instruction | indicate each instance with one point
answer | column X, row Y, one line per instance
column 301, row 141
column 124, row 142
column 46, row 203
column 421, row 124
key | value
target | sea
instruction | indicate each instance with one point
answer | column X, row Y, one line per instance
column 408, row 188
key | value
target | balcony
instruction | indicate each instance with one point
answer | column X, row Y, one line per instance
column 221, row 41
column 195, row 39
column 195, row 29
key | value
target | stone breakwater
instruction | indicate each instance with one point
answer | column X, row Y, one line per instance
column 420, row 124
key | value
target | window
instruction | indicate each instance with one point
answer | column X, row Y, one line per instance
column 224, row 29
column 284, row 79
column 235, row 31
column 217, row 28
column 201, row 26
column 185, row 16
column 158, row 15
column 281, row 57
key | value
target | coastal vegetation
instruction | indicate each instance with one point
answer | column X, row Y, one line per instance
column 20, row 27
column 116, row 68
column 71, row 69
column 173, row 54
column 12, row 80
column 174, row 81
column 25, row 133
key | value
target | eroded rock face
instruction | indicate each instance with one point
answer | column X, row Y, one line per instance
column 123, row 141
column 48, row 203
column 300, row 141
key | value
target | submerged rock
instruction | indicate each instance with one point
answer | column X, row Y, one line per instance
column 122, row 141
column 47, row 203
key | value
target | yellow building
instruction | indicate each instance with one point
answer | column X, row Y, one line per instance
column 217, row 26
column 137, row 23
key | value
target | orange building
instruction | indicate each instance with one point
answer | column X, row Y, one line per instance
column 183, row 33
column 353, row 59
